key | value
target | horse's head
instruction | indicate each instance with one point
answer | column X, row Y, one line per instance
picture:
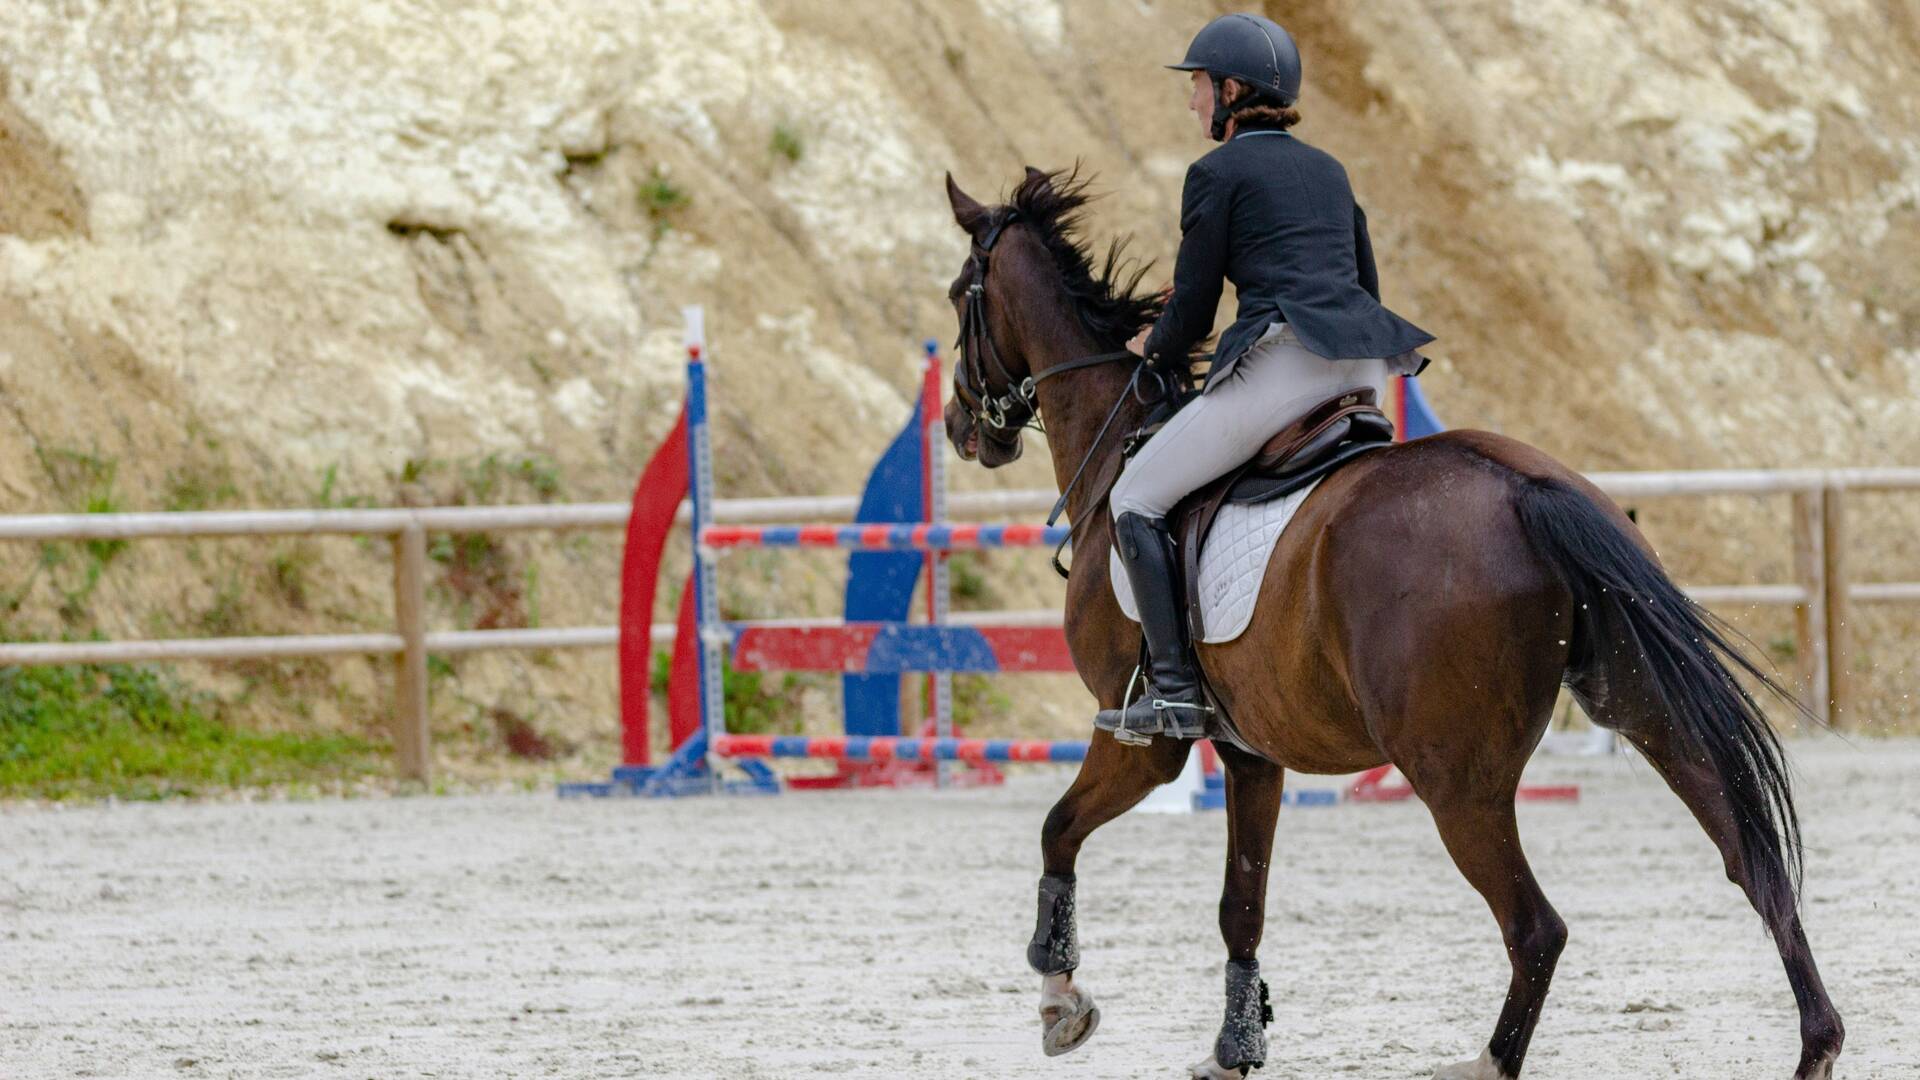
column 1033, row 302
column 988, row 409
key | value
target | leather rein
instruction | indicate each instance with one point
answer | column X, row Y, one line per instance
column 1018, row 407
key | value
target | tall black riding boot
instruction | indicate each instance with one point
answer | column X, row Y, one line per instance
column 1173, row 704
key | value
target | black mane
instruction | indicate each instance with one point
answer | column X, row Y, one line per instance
column 1106, row 299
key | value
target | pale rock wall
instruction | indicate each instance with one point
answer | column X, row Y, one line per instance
column 246, row 247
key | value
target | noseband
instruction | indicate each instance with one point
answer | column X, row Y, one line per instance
column 1018, row 405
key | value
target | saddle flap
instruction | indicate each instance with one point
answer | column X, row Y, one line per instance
column 1223, row 581
column 1310, row 447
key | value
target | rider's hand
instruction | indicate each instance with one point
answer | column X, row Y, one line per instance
column 1138, row 346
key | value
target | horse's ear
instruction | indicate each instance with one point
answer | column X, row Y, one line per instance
column 1036, row 176
column 967, row 211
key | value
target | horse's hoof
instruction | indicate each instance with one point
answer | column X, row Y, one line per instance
column 1481, row 1068
column 1211, row 1069
column 1069, row 1018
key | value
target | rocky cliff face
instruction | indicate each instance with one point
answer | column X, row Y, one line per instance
column 280, row 252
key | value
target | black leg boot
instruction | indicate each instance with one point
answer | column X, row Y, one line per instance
column 1173, row 704
column 1242, row 1045
column 1243, row 1037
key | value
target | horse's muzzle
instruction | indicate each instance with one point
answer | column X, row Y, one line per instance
column 974, row 444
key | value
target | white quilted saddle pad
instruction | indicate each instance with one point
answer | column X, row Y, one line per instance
column 1232, row 565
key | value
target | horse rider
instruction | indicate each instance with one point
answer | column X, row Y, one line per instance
column 1277, row 218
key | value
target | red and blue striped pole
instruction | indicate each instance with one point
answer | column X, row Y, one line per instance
column 898, row 748
column 882, row 536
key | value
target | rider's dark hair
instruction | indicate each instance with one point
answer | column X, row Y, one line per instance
column 1269, row 112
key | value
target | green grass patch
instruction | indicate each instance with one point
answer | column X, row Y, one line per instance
column 761, row 703
column 787, row 144
column 133, row 733
column 978, row 697
column 328, row 496
column 199, row 486
column 971, row 589
column 662, row 200
column 485, row 480
column 290, row 572
column 756, row 704
column 1783, row 648
column 103, row 551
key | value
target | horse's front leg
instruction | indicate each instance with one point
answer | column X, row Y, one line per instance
column 1112, row 779
column 1253, row 807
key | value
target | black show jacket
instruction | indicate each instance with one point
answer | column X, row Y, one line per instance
column 1277, row 218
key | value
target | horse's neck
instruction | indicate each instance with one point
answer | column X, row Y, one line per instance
column 1105, row 643
column 1074, row 406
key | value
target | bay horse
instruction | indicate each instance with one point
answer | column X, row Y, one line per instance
column 1424, row 608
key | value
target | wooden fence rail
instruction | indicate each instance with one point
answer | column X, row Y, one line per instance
column 1821, row 593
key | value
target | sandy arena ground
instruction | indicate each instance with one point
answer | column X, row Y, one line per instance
column 880, row 934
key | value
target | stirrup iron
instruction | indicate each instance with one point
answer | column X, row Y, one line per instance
column 1161, row 721
column 1115, row 720
column 1121, row 733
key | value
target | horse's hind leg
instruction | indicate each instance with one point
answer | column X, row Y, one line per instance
column 1480, row 833
column 1253, row 806
column 1111, row 781
column 1821, row 1032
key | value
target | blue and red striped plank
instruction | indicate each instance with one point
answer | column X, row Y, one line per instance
column 880, row 748
column 889, row 648
column 883, row 537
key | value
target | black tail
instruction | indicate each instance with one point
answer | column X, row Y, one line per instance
column 1618, row 588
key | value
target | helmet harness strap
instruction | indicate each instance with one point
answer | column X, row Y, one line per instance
column 1224, row 110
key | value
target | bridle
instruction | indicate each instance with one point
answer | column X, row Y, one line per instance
column 1018, row 406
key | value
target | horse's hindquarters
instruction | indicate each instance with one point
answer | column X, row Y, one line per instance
column 1405, row 581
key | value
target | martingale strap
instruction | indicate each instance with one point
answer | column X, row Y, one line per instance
column 1060, row 504
column 1165, row 395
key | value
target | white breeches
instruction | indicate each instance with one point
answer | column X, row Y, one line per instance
column 1277, row 382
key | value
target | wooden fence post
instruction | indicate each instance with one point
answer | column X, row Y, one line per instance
column 411, row 743
column 1834, row 556
column 1810, row 617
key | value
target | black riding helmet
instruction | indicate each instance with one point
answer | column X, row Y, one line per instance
column 1252, row 48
